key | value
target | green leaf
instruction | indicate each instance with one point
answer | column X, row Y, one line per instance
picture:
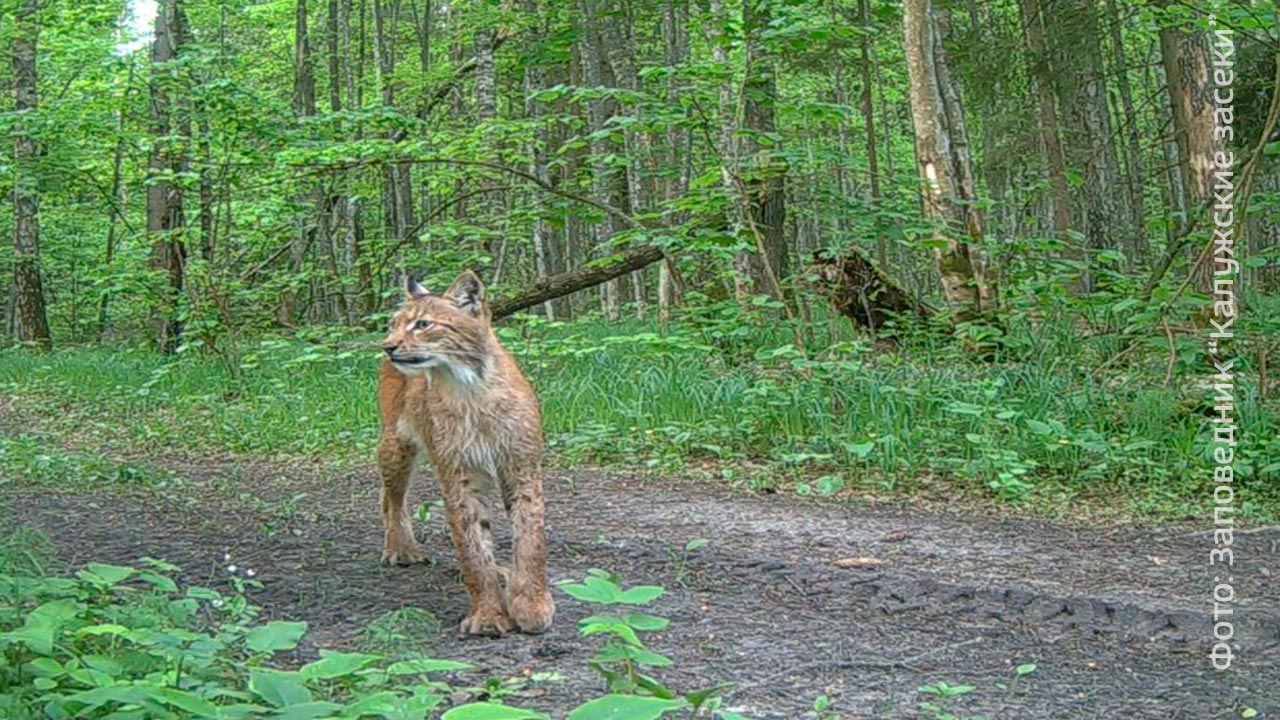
column 428, row 665
column 625, row 707
column 490, row 711
column 641, row 595
column 859, row 450
column 335, row 664
column 309, row 710
column 1026, row 669
column 696, row 544
column 594, row 589
column 104, row 574
column 191, row 704
column 276, row 635
column 1040, row 428
column 641, row 621
column 279, row 688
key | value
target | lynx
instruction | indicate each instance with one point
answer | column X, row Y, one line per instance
column 448, row 386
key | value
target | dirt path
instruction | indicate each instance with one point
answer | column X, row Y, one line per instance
column 1117, row 621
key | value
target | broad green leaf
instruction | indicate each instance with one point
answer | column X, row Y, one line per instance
column 625, row 707
column 189, row 703
column 335, row 664
column 309, row 711
column 104, row 574
column 275, row 635
column 279, row 688
column 490, row 711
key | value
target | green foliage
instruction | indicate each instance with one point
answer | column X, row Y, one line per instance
column 848, row 418
column 127, row 642
column 624, row 659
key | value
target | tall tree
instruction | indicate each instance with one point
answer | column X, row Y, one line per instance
column 166, row 218
column 1033, row 25
column 30, row 321
column 1185, row 56
column 304, row 106
column 943, row 159
column 1082, row 99
column 607, row 184
column 761, row 178
column 1132, row 146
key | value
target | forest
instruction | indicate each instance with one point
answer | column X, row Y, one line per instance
column 896, row 358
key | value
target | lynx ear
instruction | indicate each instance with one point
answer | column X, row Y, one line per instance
column 413, row 289
column 467, row 292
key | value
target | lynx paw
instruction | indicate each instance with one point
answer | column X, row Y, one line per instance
column 533, row 611
column 491, row 623
column 402, row 551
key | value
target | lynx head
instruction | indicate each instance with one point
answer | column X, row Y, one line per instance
column 442, row 333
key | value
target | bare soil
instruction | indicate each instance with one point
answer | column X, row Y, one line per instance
column 789, row 599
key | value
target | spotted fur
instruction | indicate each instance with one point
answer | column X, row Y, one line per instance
column 448, row 387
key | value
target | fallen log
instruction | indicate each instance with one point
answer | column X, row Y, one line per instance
column 566, row 283
column 860, row 291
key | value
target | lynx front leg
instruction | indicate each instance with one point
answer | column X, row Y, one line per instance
column 395, row 463
column 470, row 519
column 531, row 605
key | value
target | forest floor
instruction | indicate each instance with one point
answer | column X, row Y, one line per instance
column 789, row 599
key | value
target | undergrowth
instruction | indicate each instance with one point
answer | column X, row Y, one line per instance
column 129, row 642
column 727, row 394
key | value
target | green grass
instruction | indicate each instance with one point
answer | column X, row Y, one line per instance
column 732, row 397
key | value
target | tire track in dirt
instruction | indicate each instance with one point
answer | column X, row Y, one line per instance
column 1114, row 618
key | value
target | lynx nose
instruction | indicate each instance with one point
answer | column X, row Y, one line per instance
column 390, row 349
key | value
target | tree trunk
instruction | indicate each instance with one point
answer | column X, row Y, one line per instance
column 397, row 178
column 861, row 292
column 675, row 17
column 1185, row 56
column 868, row 111
column 942, row 157
column 763, row 181
column 30, row 322
column 546, row 256
column 607, row 184
column 1033, row 24
column 1082, row 98
column 1133, row 145
column 165, row 215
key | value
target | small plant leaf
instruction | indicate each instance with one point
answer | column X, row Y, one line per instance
column 624, row 707
column 641, row 595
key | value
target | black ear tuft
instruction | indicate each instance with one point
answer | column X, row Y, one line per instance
column 413, row 289
column 467, row 292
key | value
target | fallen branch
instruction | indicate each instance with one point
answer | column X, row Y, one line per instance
column 567, row 283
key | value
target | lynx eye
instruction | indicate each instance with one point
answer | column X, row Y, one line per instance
column 422, row 324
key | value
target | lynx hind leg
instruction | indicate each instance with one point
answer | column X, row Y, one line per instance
column 396, row 459
column 530, row 602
